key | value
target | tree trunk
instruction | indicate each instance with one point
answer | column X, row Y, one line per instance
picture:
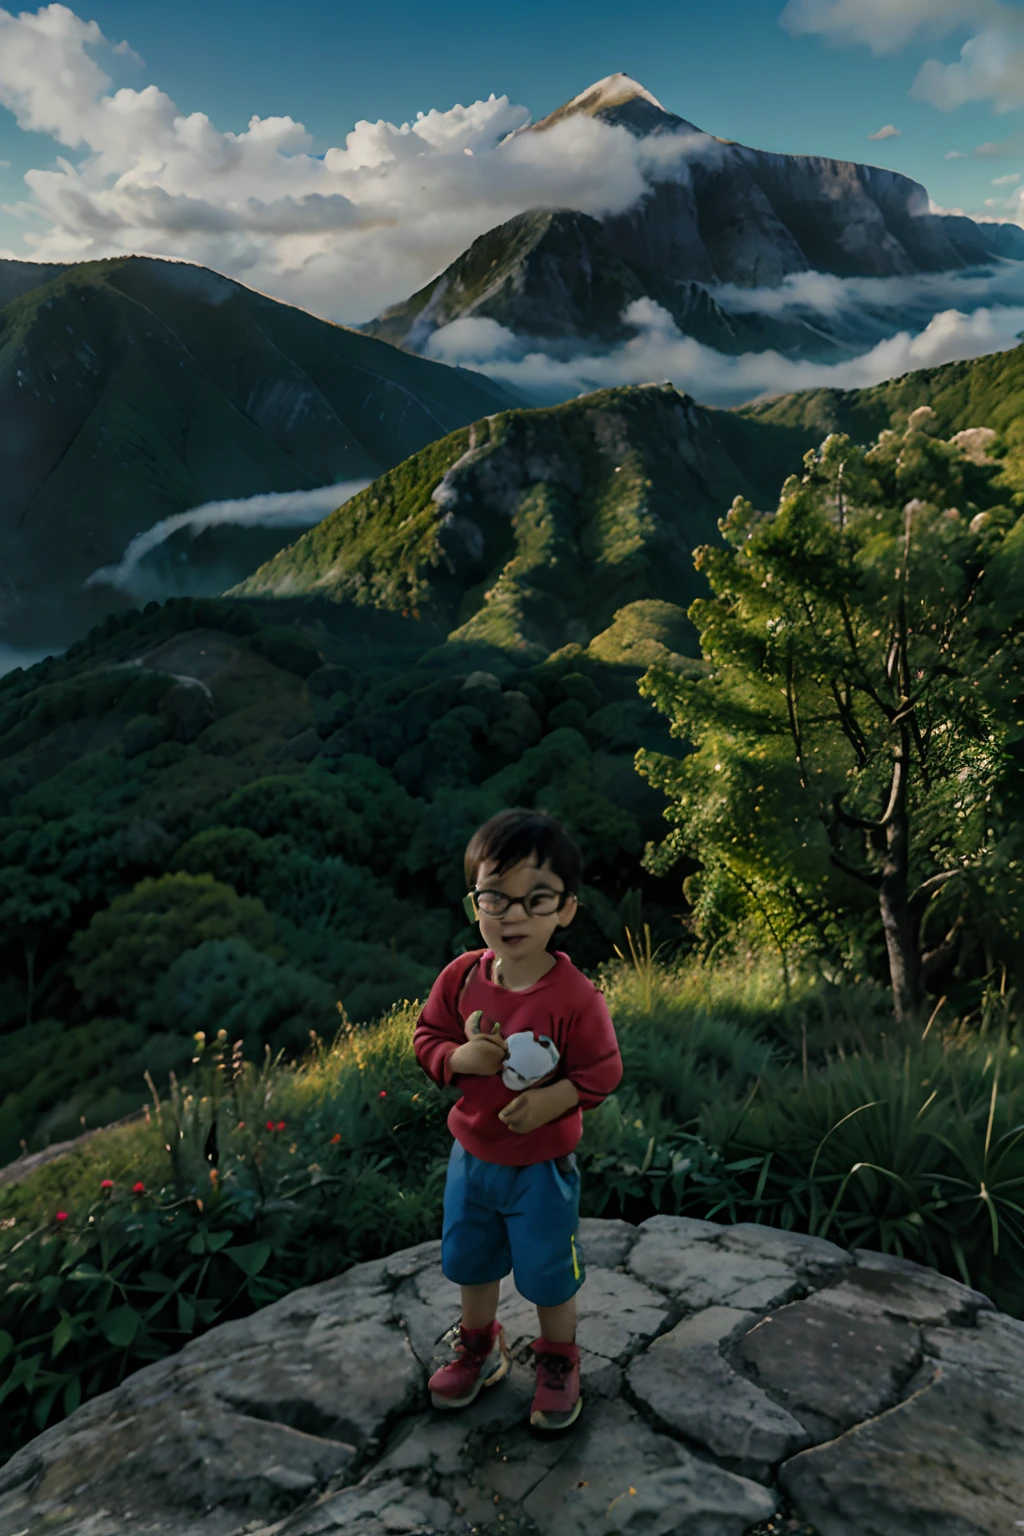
column 30, row 980
column 898, row 921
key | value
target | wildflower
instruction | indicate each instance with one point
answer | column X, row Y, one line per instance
column 279, row 1126
column 106, row 1184
column 139, row 1188
column 270, row 1125
column 335, row 1139
column 240, row 1126
column 61, row 1216
column 383, row 1094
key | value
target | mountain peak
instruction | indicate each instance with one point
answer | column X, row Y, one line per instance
column 612, row 91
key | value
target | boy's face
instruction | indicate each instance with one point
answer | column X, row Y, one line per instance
column 516, row 934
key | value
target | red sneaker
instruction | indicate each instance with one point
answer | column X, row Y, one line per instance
column 557, row 1402
column 481, row 1359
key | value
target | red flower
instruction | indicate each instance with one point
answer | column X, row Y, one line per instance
column 335, row 1138
column 270, row 1125
column 106, row 1184
column 62, row 1216
column 139, row 1189
column 279, row 1126
column 383, row 1094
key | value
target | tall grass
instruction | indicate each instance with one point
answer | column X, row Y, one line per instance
column 740, row 1101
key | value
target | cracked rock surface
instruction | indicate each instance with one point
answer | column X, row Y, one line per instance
column 726, row 1370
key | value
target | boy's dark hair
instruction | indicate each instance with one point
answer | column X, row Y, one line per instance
column 517, row 834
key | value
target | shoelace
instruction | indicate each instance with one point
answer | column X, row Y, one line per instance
column 555, row 1370
column 465, row 1352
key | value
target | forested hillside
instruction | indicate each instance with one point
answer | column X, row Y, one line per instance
column 214, row 815
column 133, row 389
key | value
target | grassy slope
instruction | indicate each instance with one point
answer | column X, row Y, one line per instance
column 135, row 388
column 987, row 392
column 548, row 520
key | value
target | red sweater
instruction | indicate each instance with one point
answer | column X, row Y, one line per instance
column 564, row 1006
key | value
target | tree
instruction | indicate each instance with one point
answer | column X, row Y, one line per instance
column 126, row 947
column 854, row 724
column 33, row 907
column 226, row 984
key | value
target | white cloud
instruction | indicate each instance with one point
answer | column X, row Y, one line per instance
column 885, row 25
column 990, row 68
column 888, row 132
column 344, row 232
column 273, row 509
column 1007, row 181
column 956, row 154
column 659, row 352
column 991, row 62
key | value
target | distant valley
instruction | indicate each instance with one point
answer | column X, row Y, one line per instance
column 132, row 390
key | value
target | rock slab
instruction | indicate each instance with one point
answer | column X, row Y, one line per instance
column 725, row 1370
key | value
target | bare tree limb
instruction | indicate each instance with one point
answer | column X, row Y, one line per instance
column 868, row 877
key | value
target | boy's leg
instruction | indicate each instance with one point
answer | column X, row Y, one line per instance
column 548, row 1269
column 558, row 1323
column 474, row 1253
column 480, row 1304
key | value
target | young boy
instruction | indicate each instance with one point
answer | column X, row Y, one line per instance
column 528, row 1040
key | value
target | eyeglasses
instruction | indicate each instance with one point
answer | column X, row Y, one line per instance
column 541, row 902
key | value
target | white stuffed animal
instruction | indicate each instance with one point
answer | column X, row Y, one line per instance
column 529, row 1059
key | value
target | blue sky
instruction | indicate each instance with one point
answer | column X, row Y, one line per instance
column 819, row 85
column 729, row 66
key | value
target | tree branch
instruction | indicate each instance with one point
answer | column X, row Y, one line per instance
column 794, row 724
column 849, row 726
column 852, row 821
column 872, row 878
column 937, row 880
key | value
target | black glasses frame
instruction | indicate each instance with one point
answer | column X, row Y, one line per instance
column 471, row 905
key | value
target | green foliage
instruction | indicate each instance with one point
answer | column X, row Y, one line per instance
column 855, row 725
column 227, row 984
column 329, row 811
column 737, row 1104
column 127, row 947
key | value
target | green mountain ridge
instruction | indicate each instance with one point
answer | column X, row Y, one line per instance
column 530, row 529
column 137, row 388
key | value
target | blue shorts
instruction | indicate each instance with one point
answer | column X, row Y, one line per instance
column 498, row 1219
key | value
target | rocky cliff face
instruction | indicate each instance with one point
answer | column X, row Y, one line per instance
column 726, row 215
column 738, row 1381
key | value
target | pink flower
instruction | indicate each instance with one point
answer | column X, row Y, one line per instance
column 62, row 1216
column 383, row 1094
column 106, row 1184
column 139, row 1189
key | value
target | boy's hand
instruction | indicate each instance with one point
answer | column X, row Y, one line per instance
column 525, row 1113
column 538, row 1106
column 475, row 1026
column 482, row 1056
